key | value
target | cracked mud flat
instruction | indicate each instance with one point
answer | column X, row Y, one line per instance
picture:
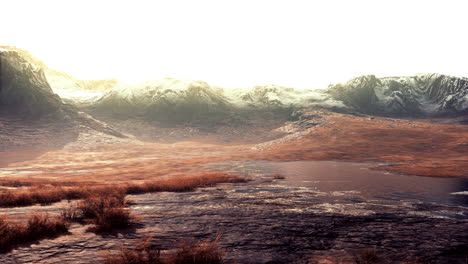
column 304, row 215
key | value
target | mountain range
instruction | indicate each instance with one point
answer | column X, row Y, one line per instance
column 29, row 88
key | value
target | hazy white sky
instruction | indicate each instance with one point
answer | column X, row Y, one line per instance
column 305, row 44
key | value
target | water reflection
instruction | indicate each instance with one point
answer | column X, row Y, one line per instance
column 328, row 176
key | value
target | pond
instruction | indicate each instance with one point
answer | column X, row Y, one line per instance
column 350, row 182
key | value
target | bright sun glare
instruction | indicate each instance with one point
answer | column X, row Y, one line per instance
column 304, row 44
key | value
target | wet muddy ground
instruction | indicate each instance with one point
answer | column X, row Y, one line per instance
column 271, row 220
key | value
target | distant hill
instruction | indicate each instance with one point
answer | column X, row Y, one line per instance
column 413, row 96
column 26, row 93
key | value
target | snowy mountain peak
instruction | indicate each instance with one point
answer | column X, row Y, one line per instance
column 419, row 95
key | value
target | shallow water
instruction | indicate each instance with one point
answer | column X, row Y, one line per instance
column 341, row 176
column 356, row 183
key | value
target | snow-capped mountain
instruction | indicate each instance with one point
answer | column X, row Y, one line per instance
column 166, row 99
column 270, row 96
column 185, row 100
column 29, row 87
column 24, row 89
column 420, row 95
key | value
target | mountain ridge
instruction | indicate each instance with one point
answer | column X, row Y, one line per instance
column 419, row 95
column 26, row 93
column 24, row 89
column 184, row 101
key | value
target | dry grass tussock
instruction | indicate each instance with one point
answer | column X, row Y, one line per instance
column 106, row 211
column 43, row 195
column 38, row 227
column 47, row 194
column 189, row 252
column 184, row 183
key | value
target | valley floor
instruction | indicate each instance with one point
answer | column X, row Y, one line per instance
column 266, row 220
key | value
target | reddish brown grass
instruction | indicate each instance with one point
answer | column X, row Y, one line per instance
column 106, row 208
column 142, row 253
column 38, row 227
column 189, row 252
column 106, row 211
column 14, row 183
column 417, row 148
column 46, row 194
column 40, row 195
column 198, row 252
column 183, row 184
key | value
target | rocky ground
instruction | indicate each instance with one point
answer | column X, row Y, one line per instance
column 16, row 133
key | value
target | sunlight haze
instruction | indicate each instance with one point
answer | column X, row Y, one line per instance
column 304, row 44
